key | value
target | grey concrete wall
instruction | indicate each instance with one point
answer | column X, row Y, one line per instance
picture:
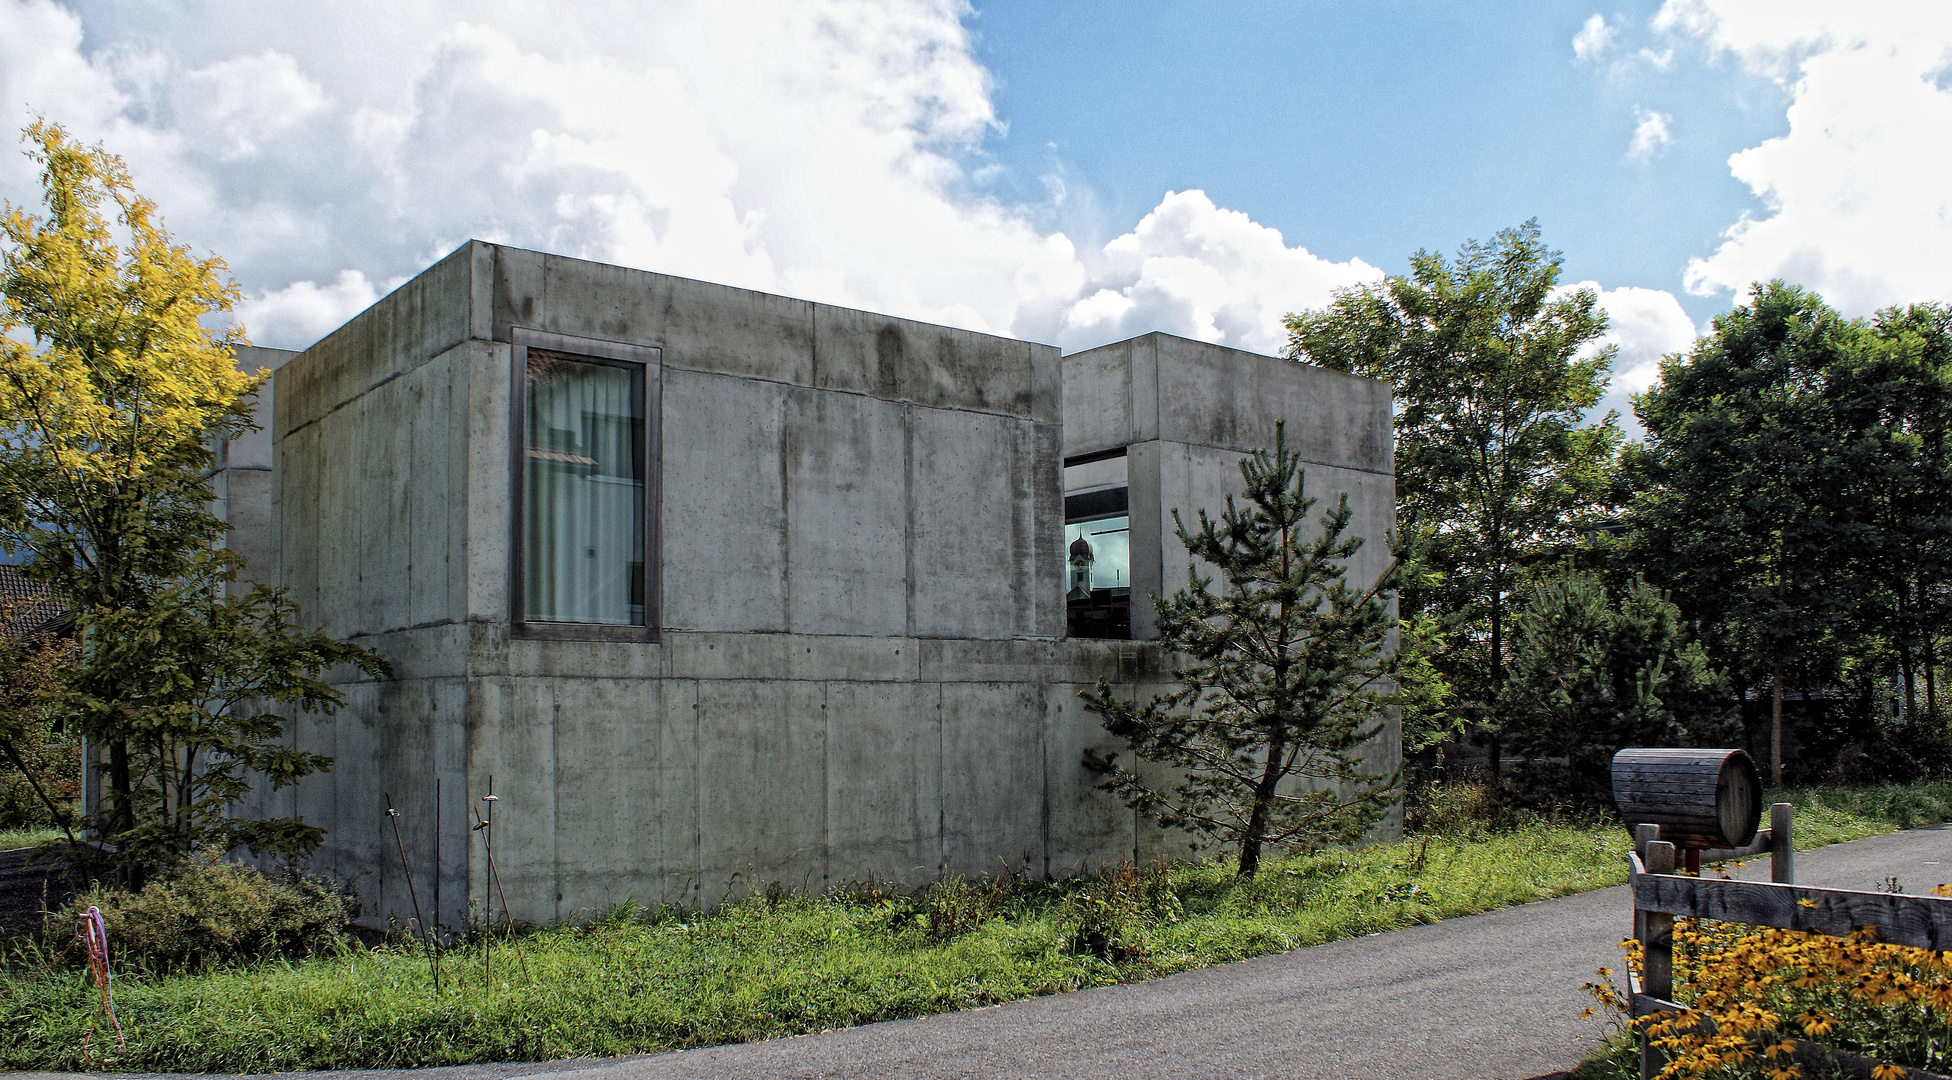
column 861, row 668
column 741, row 760
column 1161, row 387
column 1187, row 411
column 808, row 449
column 241, row 484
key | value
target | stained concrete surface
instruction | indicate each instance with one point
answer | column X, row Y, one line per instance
column 852, row 506
column 1488, row 997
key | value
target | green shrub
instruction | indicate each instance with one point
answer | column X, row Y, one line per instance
column 209, row 910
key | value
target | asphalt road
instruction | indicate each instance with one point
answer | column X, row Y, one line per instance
column 1488, row 997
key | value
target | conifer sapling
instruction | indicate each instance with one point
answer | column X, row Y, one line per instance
column 1289, row 677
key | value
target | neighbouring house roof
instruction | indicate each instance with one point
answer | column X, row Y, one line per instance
column 27, row 607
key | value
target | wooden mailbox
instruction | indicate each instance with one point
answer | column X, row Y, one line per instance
column 1701, row 799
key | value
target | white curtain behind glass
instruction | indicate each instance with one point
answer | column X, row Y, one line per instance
column 583, row 505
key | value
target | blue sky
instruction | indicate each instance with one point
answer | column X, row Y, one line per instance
column 1070, row 172
column 1373, row 130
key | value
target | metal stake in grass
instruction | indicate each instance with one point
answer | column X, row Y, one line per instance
column 488, row 912
column 437, row 859
column 487, row 827
column 433, row 964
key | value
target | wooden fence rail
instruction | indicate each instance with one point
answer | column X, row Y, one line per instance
column 1659, row 895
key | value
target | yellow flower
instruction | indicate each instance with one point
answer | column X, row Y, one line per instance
column 1816, row 1024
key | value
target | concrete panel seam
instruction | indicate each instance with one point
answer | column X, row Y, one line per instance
column 1303, row 460
column 360, row 395
column 908, row 513
column 674, row 366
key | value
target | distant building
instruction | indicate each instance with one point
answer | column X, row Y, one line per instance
column 27, row 608
column 724, row 589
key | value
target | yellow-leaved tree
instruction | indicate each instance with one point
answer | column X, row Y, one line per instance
column 113, row 388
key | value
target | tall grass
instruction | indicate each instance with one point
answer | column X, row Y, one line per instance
column 11, row 839
column 643, row 980
column 1880, row 807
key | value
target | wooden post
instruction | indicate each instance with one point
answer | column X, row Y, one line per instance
column 1642, row 836
column 1656, row 951
column 1782, row 846
column 1657, row 933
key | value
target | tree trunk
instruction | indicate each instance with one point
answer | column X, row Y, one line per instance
column 1776, row 705
column 121, row 785
column 1494, row 753
column 1902, row 638
column 1776, row 729
column 1250, row 841
column 1931, row 680
column 1905, row 675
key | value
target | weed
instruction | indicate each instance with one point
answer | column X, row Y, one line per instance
column 1463, row 807
column 1109, row 917
column 11, row 839
column 956, row 907
column 872, row 892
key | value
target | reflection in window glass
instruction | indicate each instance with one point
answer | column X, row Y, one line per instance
column 1097, row 548
column 1108, row 548
column 583, row 492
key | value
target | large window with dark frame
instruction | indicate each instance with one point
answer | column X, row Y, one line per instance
column 585, row 420
column 1097, row 547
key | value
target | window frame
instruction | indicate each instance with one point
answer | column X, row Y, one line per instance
column 614, row 354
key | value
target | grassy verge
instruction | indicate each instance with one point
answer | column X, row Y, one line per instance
column 657, row 980
column 20, row 838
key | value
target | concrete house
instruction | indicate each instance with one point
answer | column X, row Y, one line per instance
column 721, row 589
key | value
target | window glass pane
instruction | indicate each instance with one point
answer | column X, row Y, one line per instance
column 1098, row 567
column 583, row 494
column 1108, row 549
column 1097, row 548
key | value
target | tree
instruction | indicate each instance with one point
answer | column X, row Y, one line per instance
column 1283, row 685
column 1744, row 486
column 1891, row 403
column 1493, row 369
column 1592, row 673
column 109, row 417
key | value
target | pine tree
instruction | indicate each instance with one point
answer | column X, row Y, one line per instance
column 1593, row 673
column 1289, row 678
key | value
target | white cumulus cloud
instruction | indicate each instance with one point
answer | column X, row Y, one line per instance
column 1197, row 270
column 1650, row 133
column 1854, row 200
column 827, row 149
column 1594, row 39
column 305, row 311
column 1643, row 325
